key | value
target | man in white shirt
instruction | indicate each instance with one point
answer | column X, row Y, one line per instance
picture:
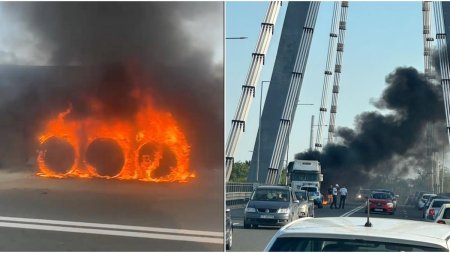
column 343, row 192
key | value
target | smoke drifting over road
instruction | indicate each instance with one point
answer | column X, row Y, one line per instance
column 105, row 51
column 389, row 143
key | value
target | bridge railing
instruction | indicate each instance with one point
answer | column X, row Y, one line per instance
column 237, row 193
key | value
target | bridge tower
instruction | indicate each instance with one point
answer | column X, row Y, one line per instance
column 284, row 90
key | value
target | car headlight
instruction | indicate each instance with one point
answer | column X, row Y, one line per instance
column 283, row 210
column 250, row 210
column 359, row 196
column 390, row 205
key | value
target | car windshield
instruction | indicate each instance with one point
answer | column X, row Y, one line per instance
column 309, row 189
column 333, row 245
column 300, row 195
column 381, row 195
column 271, row 195
column 299, row 176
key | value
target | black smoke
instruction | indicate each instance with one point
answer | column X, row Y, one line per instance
column 391, row 142
column 105, row 50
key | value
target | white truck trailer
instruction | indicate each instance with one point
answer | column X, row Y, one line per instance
column 305, row 173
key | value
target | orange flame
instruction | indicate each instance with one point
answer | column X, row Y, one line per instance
column 149, row 126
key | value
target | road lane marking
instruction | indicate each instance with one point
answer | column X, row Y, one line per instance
column 113, row 226
column 356, row 209
column 113, row 232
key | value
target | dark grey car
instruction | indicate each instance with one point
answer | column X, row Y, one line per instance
column 271, row 206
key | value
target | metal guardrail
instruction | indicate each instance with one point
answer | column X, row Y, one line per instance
column 237, row 193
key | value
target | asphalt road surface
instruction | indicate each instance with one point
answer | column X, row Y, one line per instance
column 257, row 239
column 41, row 214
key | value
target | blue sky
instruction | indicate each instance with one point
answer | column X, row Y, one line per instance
column 380, row 37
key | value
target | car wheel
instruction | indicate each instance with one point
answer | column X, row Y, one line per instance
column 320, row 205
column 230, row 241
column 255, row 225
column 392, row 213
column 247, row 225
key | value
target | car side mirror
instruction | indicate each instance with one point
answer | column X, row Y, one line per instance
column 296, row 201
column 228, row 210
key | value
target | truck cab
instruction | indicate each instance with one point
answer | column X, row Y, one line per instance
column 305, row 173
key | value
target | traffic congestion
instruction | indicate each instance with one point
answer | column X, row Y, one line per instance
column 302, row 216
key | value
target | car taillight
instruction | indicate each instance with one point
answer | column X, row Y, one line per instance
column 441, row 222
column 431, row 212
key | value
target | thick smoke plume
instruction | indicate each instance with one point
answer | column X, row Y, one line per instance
column 389, row 143
column 105, row 51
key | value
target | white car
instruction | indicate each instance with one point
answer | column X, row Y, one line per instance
column 431, row 212
column 351, row 234
column 443, row 215
column 423, row 200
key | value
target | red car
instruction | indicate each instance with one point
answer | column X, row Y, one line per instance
column 381, row 202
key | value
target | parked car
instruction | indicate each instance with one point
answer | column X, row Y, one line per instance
column 314, row 195
column 350, row 234
column 381, row 202
column 423, row 200
column 229, row 230
column 443, row 215
column 434, row 206
column 306, row 207
column 271, row 206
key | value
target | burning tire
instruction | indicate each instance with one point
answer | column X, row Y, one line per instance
column 156, row 160
column 106, row 156
column 56, row 156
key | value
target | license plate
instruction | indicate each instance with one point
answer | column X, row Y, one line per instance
column 378, row 210
column 264, row 216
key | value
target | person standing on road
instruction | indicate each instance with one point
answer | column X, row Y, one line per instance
column 343, row 192
column 330, row 194
column 335, row 192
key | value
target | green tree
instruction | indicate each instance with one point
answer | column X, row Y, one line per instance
column 240, row 172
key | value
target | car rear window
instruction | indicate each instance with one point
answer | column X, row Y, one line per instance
column 446, row 214
column 439, row 203
column 290, row 244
